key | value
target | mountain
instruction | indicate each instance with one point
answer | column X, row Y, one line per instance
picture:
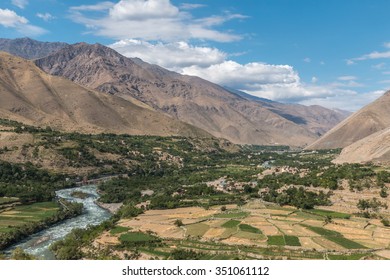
column 315, row 118
column 28, row 48
column 368, row 120
column 190, row 99
column 373, row 148
column 29, row 95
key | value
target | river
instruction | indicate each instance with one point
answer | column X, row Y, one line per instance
column 38, row 244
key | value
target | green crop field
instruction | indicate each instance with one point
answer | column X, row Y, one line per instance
column 336, row 237
column 119, row 229
column 232, row 215
column 137, row 237
column 292, row 240
column 248, row 228
column 231, row 224
column 331, row 214
column 24, row 214
column 277, row 240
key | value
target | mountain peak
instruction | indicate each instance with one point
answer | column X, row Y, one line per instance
column 29, row 48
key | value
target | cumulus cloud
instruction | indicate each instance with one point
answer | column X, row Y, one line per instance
column 251, row 76
column 173, row 56
column 151, row 20
column 20, row 3
column 143, row 10
column 10, row 19
column 276, row 82
column 45, row 16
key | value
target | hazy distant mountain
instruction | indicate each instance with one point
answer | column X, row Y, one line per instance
column 368, row 120
column 29, row 95
column 189, row 99
column 28, row 48
column 315, row 118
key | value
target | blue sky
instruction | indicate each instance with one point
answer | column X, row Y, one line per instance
column 333, row 53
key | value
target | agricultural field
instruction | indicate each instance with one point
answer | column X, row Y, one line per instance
column 24, row 214
column 257, row 230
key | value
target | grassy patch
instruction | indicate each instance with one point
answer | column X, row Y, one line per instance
column 347, row 257
column 119, row 229
column 231, row 224
column 277, row 240
column 232, row 215
column 292, row 240
column 346, row 243
column 137, row 237
column 336, row 237
column 6, row 200
column 332, row 214
column 24, row 214
column 248, row 228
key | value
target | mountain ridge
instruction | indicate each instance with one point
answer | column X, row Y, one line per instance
column 370, row 119
column 31, row 96
column 190, row 99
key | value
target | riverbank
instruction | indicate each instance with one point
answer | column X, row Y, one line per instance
column 39, row 244
column 68, row 210
column 111, row 207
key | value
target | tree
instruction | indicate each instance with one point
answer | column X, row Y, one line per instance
column 383, row 193
column 179, row 223
column 20, row 254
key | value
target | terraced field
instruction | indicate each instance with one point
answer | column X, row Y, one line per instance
column 261, row 230
column 24, row 214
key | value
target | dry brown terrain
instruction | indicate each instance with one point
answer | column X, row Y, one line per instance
column 373, row 148
column 272, row 220
column 368, row 120
column 29, row 95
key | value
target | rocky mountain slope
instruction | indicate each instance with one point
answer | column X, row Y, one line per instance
column 373, row 148
column 28, row 48
column 190, row 99
column 368, row 120
column 29, row 95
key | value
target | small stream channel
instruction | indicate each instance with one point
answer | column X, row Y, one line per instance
column 38, row 244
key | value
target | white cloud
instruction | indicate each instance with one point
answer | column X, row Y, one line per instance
column 276, row 82
column 347, row 78
column 251, row 77
column 45, row 16
column 188, row 6
column 20, row 3
column 151, row 20
column 10, row 19
column 143, row 10
column 97, row 7
column 379, row 66
column 307, row 60
column 350, row 101
column 372, row 55
column 173, row 56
